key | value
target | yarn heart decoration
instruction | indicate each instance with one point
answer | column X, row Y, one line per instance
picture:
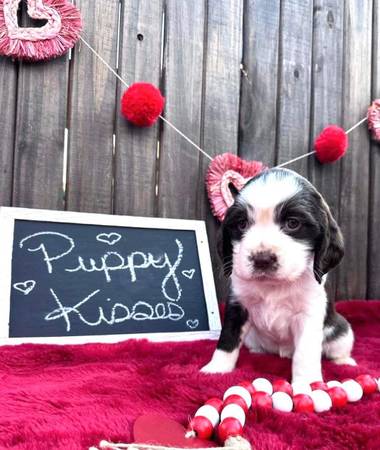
column 223, row 170
column 53, row 39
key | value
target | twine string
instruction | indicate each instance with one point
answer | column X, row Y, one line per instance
column 177, row 130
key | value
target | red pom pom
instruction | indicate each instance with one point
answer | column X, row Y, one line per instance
column 262, row 400
column 338, row 396
column 331, row 144
column 282, row 386
column 368, row 384
column 303, row 403
column 141, row 104
column 229, row 427
column 237, row 400
column 202, row 426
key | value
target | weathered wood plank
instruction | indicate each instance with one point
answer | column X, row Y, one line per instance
column 295, row 80
column 92, row 110
column 327, row 93
column 39, row 143
column 183, row 68
column 136, row 148
column 352, row 273
column 221, row 104
column 373, row 288
column 258, row 108
column 8, row 91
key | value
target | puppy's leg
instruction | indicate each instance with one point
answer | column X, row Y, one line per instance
column 227, row 350
column 308, row 336
column 338, row 340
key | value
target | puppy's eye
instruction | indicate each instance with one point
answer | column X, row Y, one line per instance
column 242, row 225
column 292, row 224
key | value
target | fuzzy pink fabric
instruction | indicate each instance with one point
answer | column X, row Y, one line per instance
column 71, row 397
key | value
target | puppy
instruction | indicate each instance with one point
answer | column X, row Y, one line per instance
column 278, row 240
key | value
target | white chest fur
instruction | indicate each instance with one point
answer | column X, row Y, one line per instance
column 278, row 310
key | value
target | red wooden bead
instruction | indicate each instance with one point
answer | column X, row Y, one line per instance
column 262, row 400
column 282, row 386
column 319, row 385
column 338, row 396
column 248, row 385
column 237, row 400
column 202, row 426
column 368, row 384
column 229, row 427
column 303, row 403
column 217, row 403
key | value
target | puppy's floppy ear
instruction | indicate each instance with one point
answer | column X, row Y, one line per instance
column 224, row 247
column 330, row 249
column 233, row 189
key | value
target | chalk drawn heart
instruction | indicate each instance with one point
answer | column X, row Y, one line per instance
column 109, row 238
column 188, row 273
column 61, row 31
column 224, row 170
column 192, row 324
column 25, row 286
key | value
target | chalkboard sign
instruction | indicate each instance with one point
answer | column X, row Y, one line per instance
column 78, row 277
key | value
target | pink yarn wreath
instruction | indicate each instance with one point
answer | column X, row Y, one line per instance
column 55, row 38
column 223, row 170
column 373, row 117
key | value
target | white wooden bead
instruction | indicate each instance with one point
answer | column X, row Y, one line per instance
column 241, row 392
column 301, row 387
column 334, row 383
column 263, row 385
column 353, row 390
column 322, row 401
column 210, row 413
column 282, row 401
column 235, row 411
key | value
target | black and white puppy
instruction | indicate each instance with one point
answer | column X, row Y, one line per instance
column 278, row 240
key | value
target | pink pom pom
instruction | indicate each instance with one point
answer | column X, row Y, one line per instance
column 331, row 144
column 141, row 104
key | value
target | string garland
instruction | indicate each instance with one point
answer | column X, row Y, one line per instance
column 190, row 141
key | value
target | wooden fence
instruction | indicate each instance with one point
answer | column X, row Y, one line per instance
column 308, row 63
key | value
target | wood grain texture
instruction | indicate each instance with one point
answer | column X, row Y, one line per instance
column 373, row 289
column 136, row 148
column 183, row 70
column 352, row 273
column 258, row 107
column 92, row 111
column 327, row 94
column 8, row 96
column 295, row 82
column 221, row 104
column 39, row 143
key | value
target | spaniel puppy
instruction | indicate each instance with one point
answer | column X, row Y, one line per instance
column 278, row 240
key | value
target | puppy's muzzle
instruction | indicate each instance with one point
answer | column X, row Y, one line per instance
column 264, row 261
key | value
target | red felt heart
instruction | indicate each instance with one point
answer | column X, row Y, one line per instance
column 223, row 170
column 160, row 430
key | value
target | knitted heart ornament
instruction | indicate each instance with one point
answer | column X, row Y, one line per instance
column 223, row 170
column 55, row 38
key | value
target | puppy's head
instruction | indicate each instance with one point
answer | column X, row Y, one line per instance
column 278, row 228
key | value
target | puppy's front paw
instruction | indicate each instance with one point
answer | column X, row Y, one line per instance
column 213, row 367
column 347, row 360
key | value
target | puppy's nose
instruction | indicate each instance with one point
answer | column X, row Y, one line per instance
column 264, row 260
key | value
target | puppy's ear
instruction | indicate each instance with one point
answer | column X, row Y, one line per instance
column 330, row 250
column 233, row 189
column 224, row 247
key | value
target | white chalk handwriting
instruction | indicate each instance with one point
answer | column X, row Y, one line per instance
column 120, row 313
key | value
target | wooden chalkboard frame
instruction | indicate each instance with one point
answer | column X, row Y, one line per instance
column 8, row 216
